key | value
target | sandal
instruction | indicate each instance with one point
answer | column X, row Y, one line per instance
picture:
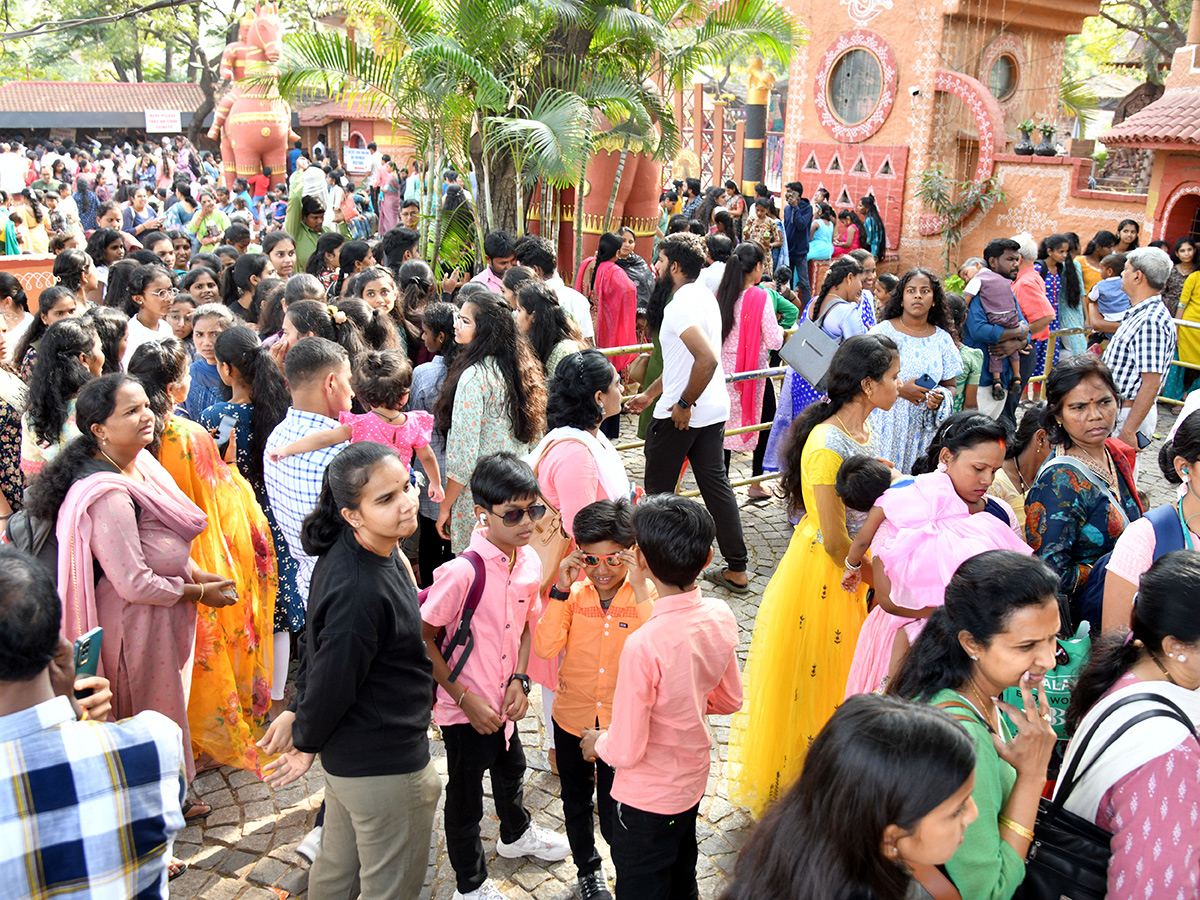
column 756, row 494
column 716, row 575
column 195, row 809
column 175, row 868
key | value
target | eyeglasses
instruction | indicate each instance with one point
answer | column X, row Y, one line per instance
column 610, row 559
column 516, row 516
column 164, row 294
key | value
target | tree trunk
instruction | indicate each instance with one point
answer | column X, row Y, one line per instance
column 169, row 61
column 507, row 199
column 209, row 87
column 609, row 225
column 579, row 218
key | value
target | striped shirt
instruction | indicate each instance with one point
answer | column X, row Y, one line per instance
column 1145, row 342
column 87, row 809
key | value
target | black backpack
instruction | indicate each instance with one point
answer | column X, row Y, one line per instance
column 36, row 537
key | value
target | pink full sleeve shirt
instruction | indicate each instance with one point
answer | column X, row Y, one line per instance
column 509, row 599
column 675, row 670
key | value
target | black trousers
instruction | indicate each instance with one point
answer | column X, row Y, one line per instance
column 580, row 779
column 655, row 855
column 432, row 551
column 468, row 755
column 666, row 449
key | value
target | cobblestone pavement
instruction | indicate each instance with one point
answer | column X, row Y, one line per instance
column 246, row 847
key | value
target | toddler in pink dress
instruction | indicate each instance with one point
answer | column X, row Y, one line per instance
column 381, row 382
column 919, row 533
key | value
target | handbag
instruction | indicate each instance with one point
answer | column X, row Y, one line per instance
column 349, row 208
column 1069, row 856
column 810, row 350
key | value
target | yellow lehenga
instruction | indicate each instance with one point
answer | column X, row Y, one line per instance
column 803, row 644
column 231, row 675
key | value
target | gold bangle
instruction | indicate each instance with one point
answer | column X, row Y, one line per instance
column 201, row 597
column 1006, row 822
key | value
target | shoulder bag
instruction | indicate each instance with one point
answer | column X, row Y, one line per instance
column 810, row 350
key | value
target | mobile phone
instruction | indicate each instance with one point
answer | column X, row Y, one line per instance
column 1143, row 441
column 87, row 657
column 926, row 383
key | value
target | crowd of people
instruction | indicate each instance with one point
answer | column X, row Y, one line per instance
column 307, row 446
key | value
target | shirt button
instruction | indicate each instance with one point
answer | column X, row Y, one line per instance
column 508, row 626
column 599, row 704
column 608, row 617
column 505, row 656
column 601, row 671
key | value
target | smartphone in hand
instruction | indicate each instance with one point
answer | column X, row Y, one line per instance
column 926, row 383
column 87, row 657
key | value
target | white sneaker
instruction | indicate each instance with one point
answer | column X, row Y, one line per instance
column 486, row 891
column 537, row 842
column 310, row 845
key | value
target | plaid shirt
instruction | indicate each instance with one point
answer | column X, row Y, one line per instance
column 1145, row 342
column 87, row 809
column 294, row 483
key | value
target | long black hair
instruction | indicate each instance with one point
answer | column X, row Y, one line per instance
column 95, row 404
column 960, row 432
column 157, row 365
column 939, row 316
column 1165, row 608
column 111, row 327
column 1072, row 290
column 140, row 279
column 1100, row 240
column 839, row 270
column 69, row 268
column 329, row 322
column 571, row 400
column 1031, row 423
column 235, row 280
column 872, row 209
column 58, row 375
column 49, row 298
column 860, row 357
column 376, row 327
column 741, row 262
column 351, row 254
column 99, row 242
column 341, row 488
column 239, row 348
column 981, row 599
column 878, row 762
column 497, row 340
column 550, row 325
column 606, row 251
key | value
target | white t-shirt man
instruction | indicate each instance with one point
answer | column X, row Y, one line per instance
column 12, row 172
column 693, row 306
column 711, row 275
column 574, row 304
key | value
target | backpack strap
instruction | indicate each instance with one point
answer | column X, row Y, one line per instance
column 1168, row 533
column 462, row 635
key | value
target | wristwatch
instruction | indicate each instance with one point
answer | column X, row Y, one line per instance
column 524, row 679
column 682, row 404
column 556, row 594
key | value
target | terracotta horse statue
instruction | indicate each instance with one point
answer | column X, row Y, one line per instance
column 257, row 129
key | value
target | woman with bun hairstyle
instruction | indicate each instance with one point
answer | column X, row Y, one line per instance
column 1161, row 530
column 1145, row 787
column 884, row 798
column 311, row 318
column 70, row 357
column 238, row 283
column 230, row 691
column 997, row 630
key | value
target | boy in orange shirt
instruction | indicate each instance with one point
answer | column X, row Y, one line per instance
column 591, row 618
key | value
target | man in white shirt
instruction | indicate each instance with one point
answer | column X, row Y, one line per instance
column 693, row 402
column 12, row 170
column 538, row 254
column 374, row 162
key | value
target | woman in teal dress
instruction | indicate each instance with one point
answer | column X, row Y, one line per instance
column 820, row 245
column 240, row 426
column 997, row 630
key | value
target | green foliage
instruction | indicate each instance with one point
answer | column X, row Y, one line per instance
column 954, row 202
column 1077, row 99
column 953, row 283
column 1151, row 29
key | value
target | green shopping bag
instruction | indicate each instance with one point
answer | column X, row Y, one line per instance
column 1070, row 659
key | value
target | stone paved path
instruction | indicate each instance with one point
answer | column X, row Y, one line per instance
column 246, row 848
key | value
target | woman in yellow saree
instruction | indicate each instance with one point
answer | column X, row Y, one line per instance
column 230, row 690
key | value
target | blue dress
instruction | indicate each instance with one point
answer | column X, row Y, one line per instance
column 222, row 420
column 821, row 245
column 905, row 430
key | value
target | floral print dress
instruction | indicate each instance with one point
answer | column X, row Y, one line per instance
column 13, row 396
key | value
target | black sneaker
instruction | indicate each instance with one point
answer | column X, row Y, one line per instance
column 997, row 390
column 592, row 886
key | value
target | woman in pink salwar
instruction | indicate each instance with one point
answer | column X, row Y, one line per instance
column 920, row 533
column 613, row 296
column 749, row 332
column 119, row 510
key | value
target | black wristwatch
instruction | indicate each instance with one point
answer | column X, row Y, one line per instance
column 682, row 404
column 556, row 594
column 525, row 684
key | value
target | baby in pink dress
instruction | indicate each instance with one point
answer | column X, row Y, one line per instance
column 381, row 382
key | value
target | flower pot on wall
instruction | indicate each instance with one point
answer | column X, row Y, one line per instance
column 1023, row 147
column 1046, row 147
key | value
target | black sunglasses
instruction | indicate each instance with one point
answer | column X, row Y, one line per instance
column 516, row 516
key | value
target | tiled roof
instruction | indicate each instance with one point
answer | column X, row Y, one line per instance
column 331, row 110
column 97, row 97
column 1174, row 118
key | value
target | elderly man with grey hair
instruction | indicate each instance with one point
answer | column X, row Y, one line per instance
column 1140, row 353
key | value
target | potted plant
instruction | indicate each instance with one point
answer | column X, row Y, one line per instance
column 1024, row 147
column 1046, row 147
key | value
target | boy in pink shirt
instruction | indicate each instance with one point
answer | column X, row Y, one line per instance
column 679, row 667
column 477, row 711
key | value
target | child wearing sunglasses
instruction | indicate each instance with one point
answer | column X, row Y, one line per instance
column 679, row 668
column 591, row 618
column 478, row 711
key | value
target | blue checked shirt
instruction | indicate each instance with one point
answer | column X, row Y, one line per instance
column 87, row 809
column 1144, row 342
column 294, row 483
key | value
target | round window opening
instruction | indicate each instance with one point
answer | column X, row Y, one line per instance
column 855, row 86
column 1002, row 79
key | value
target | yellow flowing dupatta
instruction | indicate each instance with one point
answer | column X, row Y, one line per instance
column 231, row 676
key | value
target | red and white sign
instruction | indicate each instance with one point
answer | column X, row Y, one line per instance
column 163, row 121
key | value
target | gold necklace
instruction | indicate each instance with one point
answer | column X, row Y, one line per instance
column 111, row 460
column 982, row 706
column 849, row 433
column 1162, row 667
column 1107, row 471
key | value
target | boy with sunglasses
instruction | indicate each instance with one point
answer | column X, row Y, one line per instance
column 591, row 619
column 478, row 711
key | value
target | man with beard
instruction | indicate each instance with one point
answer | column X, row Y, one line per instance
column 991, row 289
column 692, row 403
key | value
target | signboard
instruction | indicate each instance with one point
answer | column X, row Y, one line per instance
column 355, row 158
column 163, row 121
column 345, row 131
column 62, row 134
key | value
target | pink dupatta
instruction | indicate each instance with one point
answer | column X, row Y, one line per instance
column 748, row 349
column 158, row 493
column 616, row 310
